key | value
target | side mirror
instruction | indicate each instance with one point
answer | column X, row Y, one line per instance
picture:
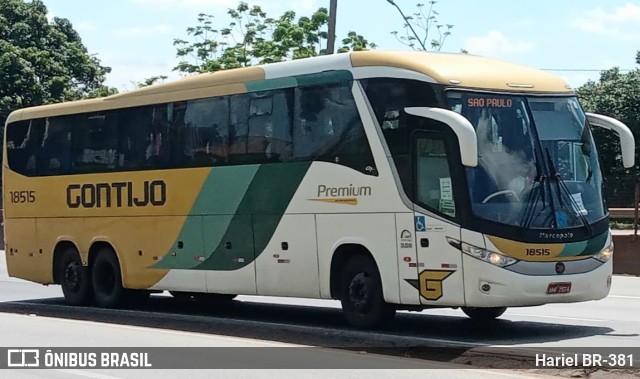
column 627, row 142
column 461, row 127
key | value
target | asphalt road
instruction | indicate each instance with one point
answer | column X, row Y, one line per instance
column 252, row 321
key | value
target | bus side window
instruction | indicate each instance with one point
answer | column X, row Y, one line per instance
column 260, row 126
column 207, row 127
column 134, row 130
column 24, row 139
column 157, row 152
column 238, row 129
column 94, row 143
column 55, row 153
column 280, row 141
column 270, row 138
column 328, row 128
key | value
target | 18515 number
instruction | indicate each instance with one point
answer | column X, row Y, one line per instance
column 21, row 197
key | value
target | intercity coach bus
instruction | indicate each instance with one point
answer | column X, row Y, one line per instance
column 386, row 180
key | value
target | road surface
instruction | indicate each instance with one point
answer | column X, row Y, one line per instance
column 611, row 322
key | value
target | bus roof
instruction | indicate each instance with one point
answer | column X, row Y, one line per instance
column 455, row 70
column 465, row 70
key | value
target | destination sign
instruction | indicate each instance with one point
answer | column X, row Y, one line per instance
column 489, row 102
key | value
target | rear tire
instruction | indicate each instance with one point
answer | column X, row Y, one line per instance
column 107, row 280
column 361, row 295
column 74, row 278
column 484, row 314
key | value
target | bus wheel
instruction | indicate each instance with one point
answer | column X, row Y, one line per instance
column 74, row 278
column 107, row 280
column 361, row 295
column 484, row 314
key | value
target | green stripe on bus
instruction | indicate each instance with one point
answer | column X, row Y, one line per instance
column 596, row 244
column 210, row 216
column 258, row 216
column 271, row 84
column 327, row 77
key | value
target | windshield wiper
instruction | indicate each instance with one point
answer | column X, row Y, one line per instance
column 537, row 193
column 564, row 190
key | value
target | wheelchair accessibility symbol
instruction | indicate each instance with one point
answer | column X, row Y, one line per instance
column 421, row 224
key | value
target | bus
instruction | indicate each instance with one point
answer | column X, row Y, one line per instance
column 385, row 180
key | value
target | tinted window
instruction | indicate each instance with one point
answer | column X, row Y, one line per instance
column 434, row 186
column 94, row 143
column 328, row 128
column 388, row 98
column 310, row 123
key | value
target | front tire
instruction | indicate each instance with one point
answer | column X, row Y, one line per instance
column 361, row 295
column 74, row 278
column 484, row 314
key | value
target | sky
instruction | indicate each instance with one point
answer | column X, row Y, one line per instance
column 575, row 38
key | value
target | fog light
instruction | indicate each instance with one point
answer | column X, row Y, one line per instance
column 485, row 288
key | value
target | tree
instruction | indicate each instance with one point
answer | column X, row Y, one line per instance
column 151, row 81
column 616, row 95
column 43, row 62
column 424, row 22
column 253, row 38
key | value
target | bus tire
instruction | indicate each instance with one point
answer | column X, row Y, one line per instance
column 107, row 280
column 484, row 314
column 75, row 279
column 361, row 295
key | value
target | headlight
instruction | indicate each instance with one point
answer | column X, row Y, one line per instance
column 492, row 257
column 605, row 254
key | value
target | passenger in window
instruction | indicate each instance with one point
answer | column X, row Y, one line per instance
column 55, row 152
column 157, row 148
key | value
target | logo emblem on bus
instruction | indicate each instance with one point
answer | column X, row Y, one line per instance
column 429, row 283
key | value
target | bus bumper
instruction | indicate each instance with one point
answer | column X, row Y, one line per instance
column 509, row 289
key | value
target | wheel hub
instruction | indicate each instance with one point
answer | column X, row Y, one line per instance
column 359, row 293
column 72, row 276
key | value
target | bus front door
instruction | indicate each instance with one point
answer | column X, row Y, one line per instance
column 440, row 279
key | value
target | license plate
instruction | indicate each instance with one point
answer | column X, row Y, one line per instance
column 558, row 288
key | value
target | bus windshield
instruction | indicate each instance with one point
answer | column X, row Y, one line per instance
column 537, row 163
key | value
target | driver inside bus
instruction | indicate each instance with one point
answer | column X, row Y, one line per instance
column 504, row 164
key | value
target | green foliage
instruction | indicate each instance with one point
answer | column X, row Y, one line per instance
column 616, row 95
column 151, row 81
column 43, row 62
column 254, row 38
column 355, row 42
column 419, row 26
